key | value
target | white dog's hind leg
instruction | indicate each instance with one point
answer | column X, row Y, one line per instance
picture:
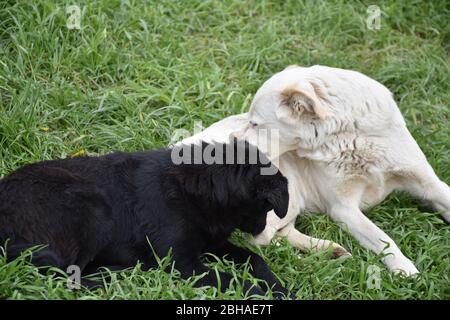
column 306, row 243
column 441, row 199
column 424, row 184
column 372, row 237
column 438, row 192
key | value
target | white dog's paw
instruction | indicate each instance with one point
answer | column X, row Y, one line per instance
column 339, row 251
column 404, row 267
column 407, row 272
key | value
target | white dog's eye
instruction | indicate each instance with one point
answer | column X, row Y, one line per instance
column 253, row 124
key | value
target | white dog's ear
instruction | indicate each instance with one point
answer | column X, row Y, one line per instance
column 296, row 102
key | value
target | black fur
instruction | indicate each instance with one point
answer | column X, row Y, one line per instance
column 100, row 211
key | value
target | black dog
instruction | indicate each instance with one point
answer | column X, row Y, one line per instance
column 104, row 211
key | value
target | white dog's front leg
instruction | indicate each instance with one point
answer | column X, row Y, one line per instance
column 306, row 243
column 299, row 240
column 273, row 222
column 272, row 226
column 373, row 238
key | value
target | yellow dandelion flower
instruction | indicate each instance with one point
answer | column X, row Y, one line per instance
column 79, row 153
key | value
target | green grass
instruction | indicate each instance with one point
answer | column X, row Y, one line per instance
column 136, row 72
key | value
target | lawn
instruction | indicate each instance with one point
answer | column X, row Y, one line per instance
column 138, row 70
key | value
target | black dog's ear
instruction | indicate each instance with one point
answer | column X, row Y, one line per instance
column 275, row 191
column 279, row 199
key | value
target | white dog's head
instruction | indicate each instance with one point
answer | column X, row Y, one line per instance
column 286, row 112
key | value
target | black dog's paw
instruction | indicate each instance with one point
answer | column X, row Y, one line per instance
column 92, row 284
column 283, row 294
column 254, row 291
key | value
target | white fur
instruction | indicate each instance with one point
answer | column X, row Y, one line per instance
column 344, row 154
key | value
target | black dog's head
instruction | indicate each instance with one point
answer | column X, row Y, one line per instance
column 228, row 186
column 271, row 194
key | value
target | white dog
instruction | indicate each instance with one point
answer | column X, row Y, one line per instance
column 343, row 145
